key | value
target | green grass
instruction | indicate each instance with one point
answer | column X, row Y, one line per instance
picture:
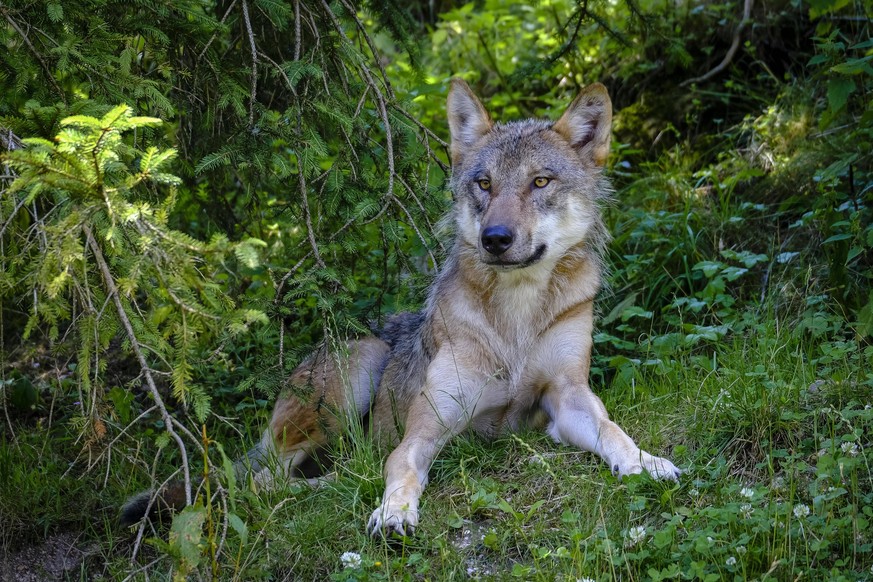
column 777, row 486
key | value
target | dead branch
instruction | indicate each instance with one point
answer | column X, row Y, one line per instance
column 254, row 49
column 735, row 44
column 140, row 356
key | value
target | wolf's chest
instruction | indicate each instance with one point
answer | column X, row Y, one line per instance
column 516, row 317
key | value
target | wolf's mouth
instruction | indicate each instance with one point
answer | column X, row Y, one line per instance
column 510, row 265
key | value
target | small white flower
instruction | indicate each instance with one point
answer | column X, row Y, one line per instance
column 746, row 510
column 785, row 257
column 747, row 492
column 694, row 493
column 741, row 550
column 351, row 560
column 584, row 579
column 801, row 510
column 635, row 535
column 709, row 539
column 850, row 449
column 731, row 561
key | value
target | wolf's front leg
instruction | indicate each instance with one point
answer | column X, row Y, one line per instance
column 579, row 418
column 449, row 401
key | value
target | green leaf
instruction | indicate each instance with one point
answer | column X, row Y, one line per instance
column 836, row 238
column 185, row 534
column 839, row 90
column 239, row 527
column 854, row 66
column 819, row 8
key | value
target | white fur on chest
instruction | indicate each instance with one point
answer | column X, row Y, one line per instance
column 518, row 311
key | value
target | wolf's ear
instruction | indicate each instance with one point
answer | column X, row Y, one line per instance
column 468, row 120
column 587, row 123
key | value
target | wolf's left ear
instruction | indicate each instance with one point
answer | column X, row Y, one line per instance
column 587, row 123
column 468, row 120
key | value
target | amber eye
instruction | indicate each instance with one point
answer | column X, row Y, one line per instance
column 541, row 182
column 485, row 184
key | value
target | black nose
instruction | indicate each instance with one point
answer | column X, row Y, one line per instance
column 496, row 239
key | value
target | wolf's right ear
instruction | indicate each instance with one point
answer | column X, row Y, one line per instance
column 468, row 120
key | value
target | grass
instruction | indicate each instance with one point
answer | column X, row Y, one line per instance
column 777, row 486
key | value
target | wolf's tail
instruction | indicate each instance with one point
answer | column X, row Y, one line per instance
column 158, row 505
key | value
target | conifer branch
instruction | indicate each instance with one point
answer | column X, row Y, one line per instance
column 43, row 64
column 140, row 356
column 363, row 31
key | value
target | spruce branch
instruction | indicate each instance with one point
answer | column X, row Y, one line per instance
column 46, row 69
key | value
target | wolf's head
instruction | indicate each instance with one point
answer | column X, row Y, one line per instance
column 527, row 191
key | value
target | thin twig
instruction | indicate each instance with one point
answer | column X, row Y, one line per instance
column 254, row 49
column 215, row 34
column 296, row 30
column 301, row 181
column 735, row 44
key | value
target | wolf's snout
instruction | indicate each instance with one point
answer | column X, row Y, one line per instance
column 496, row 239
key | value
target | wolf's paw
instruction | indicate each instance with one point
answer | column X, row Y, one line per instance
column 391, row 519
column 657, row 467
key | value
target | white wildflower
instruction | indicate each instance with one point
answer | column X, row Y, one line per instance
column 747, row 492
column 746, row 510
column 741, row 550
column 709, row 539
column 694, row 493
column 584, row 579
column 785, row 257
column 850, row 449
column 801, row 510
column 635, row 535
column 351, row 560
column 731, row 561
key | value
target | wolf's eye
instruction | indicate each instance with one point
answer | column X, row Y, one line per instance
column 541, row 182
column 484, row 183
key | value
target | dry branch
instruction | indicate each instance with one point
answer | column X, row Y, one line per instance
column 140, row 356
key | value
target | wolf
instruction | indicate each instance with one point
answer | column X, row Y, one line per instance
column 505, row 337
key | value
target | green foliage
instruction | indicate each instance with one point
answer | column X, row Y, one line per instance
column 291, row 195
column 101, row 196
